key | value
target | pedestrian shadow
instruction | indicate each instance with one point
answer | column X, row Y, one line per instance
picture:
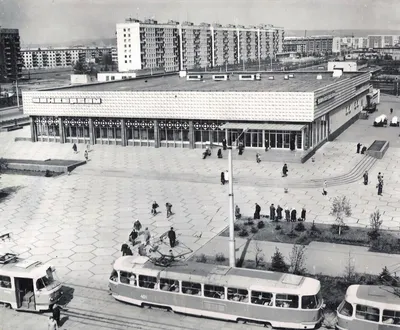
column 68, row 295
column 240, row 261
column 63, row 320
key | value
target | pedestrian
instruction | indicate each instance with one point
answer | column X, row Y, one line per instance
column 303, row 214
column 272, row 212
column 88, row 148
column 363, row 150
column 293, row 215
column 287, row 214
column 133, row 236
column 391, row 110
column 358, row 147
column 75, row 148
column 52, row 324
column 154, row 208
column 147, row 236
column 219, row 153
column 379, row 177
column 86, row 155
column 266, row 144
column 57, row 314
column 224, row 144
column 324, row 192
column 284, row 170
column 365, row 176
column 126, row 251
column 258, row 158
column 223, row 178
column 226, row 176
column 172, row 237
column 142, row 250
column 137, row 225
column 168, row 206
column 241, row 148
column 279, row 213
column 237, row 212
column 380, row 187
column 257, row 212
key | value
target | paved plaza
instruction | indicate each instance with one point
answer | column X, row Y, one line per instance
column 79, row 221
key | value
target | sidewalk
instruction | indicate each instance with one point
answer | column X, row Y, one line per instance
column 326, row 258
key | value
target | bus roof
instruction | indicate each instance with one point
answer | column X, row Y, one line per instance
column 380, row 294
column 221, row 275
column 22, row 267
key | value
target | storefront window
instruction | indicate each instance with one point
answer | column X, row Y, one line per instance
column 299, row 141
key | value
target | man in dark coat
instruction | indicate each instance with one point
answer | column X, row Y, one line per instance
column 358, row 147
column 279, row 212
column 272, row 212
column 365, row 176
column 380, row 188
column 303, row 214
column 224, row 144
column 154, row 207
column 126, row 251
column 223, row 178
column 293, row 215
column 363, row 150
column 287, row 214
column 257, row 212
column 172, row 237
column 57, row 314
column 133, row 236
column 284, row 170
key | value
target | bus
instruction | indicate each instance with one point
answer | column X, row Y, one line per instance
column 28, row 285
column 369, row 307
column 234, row 294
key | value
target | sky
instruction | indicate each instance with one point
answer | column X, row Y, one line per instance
column 62, row 21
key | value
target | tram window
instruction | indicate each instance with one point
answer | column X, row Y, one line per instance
column 367, row 313
column 114, row 276
column 309, row 302
column 262, row 298
column 128, row 278
column 5, row 282
column 391, row 317
column 191, row 288
column 238, row 295
column 148, row 282
column 287, row 301
column 213, row 291
column 169, row 285
column 346, row 309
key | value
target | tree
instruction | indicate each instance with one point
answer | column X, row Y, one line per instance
column 341, row 208
column 259, row 257
column 297, row 259
column 349, row 269
column 80, row 68
column 376, row 223
column 278, row 262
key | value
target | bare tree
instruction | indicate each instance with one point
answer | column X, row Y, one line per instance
column 349, row 269
column 297, row 259
column 259, row 257
column 341, row 209
column 376, row 223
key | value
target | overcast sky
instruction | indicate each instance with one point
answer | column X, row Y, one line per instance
column 58, row 21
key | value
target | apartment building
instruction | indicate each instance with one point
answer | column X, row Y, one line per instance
column 175, row 46
column 40, row 58
column 382, row 41
column 10, row 54
column 309, row 45
column 354, row 42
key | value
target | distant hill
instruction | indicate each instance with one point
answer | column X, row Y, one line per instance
column 99, row 42
column 340, row 33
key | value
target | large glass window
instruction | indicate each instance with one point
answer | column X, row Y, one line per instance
column 148, row 282
column 128, row 278
column 287, row 301
column 345, row 309
column 391, row 317
column 279, row 140
column 299, row 140
column 213, row 291
column 309, row 302
column 262, row 298
column 191, row 288
column 167, row 284
column 367, row 313
column 240, row 295
column 5, row 282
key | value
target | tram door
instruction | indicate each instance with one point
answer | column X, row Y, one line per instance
column 25, row 293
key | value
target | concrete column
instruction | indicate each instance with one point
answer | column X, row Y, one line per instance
column 33, row 130
column 156, row 134
column 123, row 133
column 191, row 135
column 62, row 130
column 91, row 132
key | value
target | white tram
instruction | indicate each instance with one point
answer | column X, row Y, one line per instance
column 27, row 285
column 236, row 294
column 369, row 307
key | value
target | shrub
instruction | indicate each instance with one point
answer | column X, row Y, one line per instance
column 260, row 224
column 237, row 227
column 278, row 227
column 219, row 257
column 297, row 260
column 243, row 233
column 249, row 222
column 278, row 262
column 376, row 223
column 300, row 227
column 303, row 239
column 201, row 258
column 385, row 243
column 254, row 230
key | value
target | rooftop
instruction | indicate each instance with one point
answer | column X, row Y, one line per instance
column 301, row 82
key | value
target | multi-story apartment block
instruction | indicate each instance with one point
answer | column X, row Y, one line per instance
column 382, row 41
column 354, row 42
column 10, row 54
column 174, row 46
column 39, row 58
column 309, row 45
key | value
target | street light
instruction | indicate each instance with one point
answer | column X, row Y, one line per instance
column 232, row 249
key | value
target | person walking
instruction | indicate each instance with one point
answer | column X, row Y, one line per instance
column 57, row 314
column 137, row 225
column 168, row 206
column 147, row 236
column 237, row 212
column 257, row 212
column 86, row 155
column 358, row 147
column 266, row 144
column 293, row 215
column 391, row 111
column 287, row 214
column 133, row 236
column 272, row 212
column 324, row 192
column 285, row 170
column 172, row 237
column 224, row 144
column 223, row 178
column 52, row 324
column 380, row 176
column 380, row 187
column 142, row 250
column 258, row 158
column 75, row 148
column 303, row 214
column 279, row 213
column 219, row 153
column 154, row 208
column 126, row 251
column 365, row 176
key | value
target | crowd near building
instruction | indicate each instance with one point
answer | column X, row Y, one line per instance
column 41, row 58
column 291, row 111
column 10, row 55
column 175, row 46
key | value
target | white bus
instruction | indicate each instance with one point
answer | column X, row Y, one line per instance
column 369, row 307
column 27, row 285
column 221, row 292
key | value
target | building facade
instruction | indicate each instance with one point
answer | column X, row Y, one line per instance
column 42, row 58
column 10, row 55
column 309, row 45
column 174, row 46
column 381, row 41
column 299, row 112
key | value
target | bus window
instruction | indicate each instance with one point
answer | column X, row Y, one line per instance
column 238, row 295
column 262, row 298
column 5, row 282
column 345, row 309
column 367, row 313
column 148, row 282
column 309, row 302
column 391, row 317
column 213, row 291
column 287, row 301
column 191, row 288
column 114, row 276
column 169, row 285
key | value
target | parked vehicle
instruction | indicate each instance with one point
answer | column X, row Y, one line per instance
column 394, row 121
column 380, row 121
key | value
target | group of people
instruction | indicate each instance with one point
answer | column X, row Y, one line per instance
column 86, row 153
column 155, row 206
column 276, row 213
column 363, row 150
column 379, row 185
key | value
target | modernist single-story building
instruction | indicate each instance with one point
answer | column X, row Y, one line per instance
column 298, row 110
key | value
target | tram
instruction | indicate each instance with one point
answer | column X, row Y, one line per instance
column 220, row 292
column 369, row 307
column 27, row 285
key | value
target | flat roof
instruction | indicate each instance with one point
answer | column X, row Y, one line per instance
column 302, row 82
column 264, row 126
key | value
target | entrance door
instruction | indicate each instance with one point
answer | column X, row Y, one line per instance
column 25, row 294
column 279, row 140
column 286, row 140
column 233, row 135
